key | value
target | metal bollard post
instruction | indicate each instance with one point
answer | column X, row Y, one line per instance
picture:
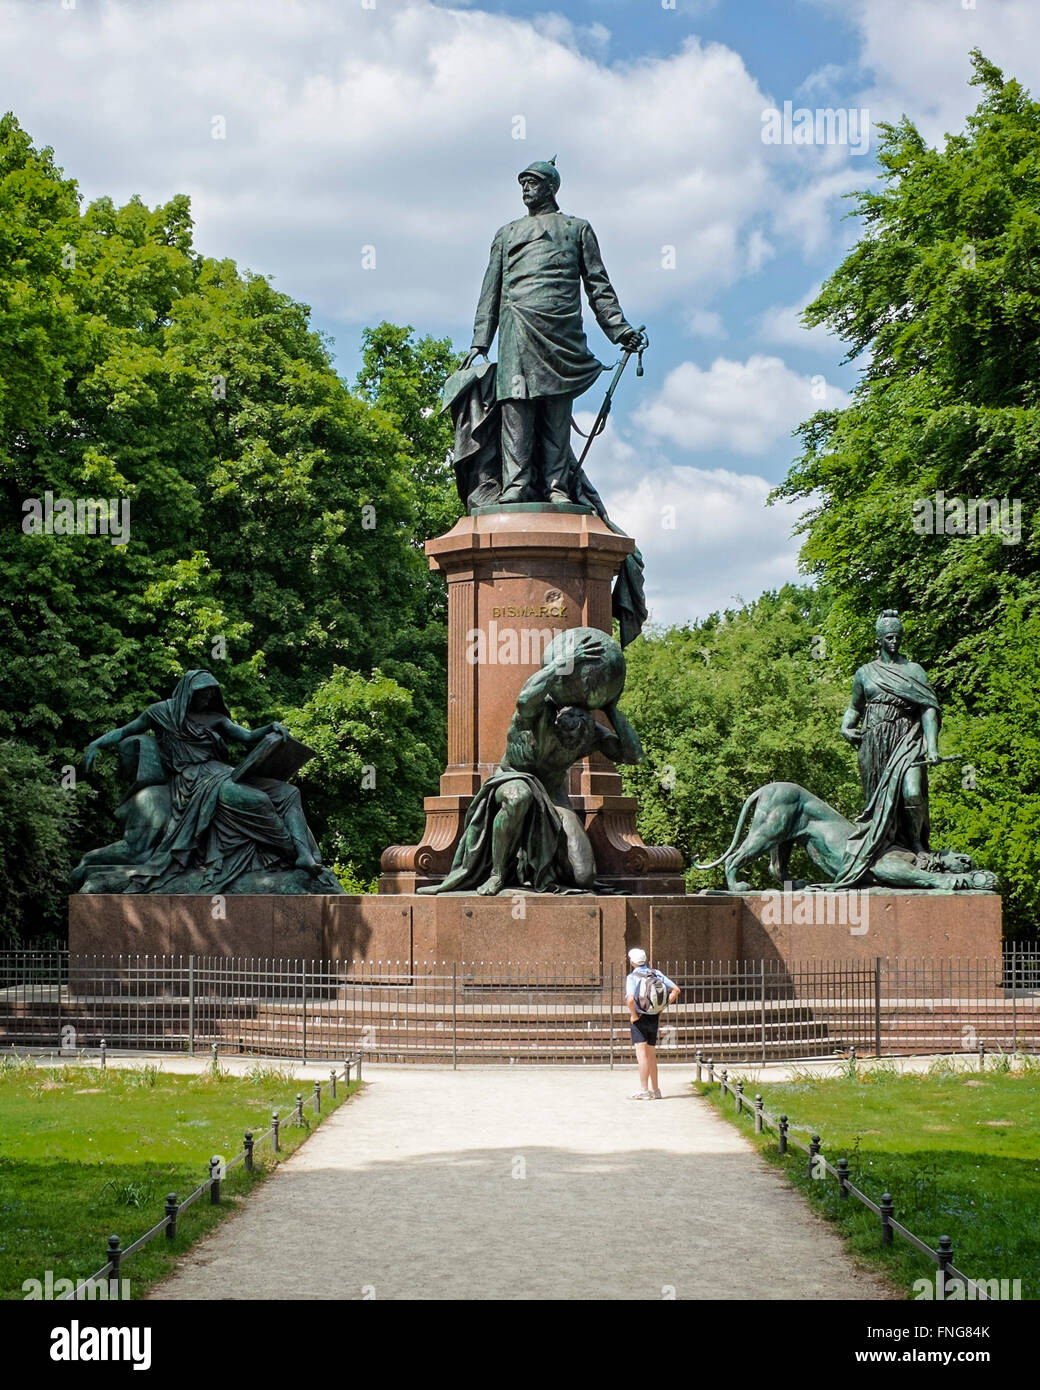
column 887, row 1213
column 842, row 1166
column 698, row 1066
column 814, row 1149
column 739, row 1097
column 104, row 1055
column 299, row 1107
column 113, row 1256
column 171, row 1216
column 317, row 1097
column 214, row 1055
column 982, row 1056
column 332, row 1083
column 711, row 1072
column 274, row 1128
column 248, row 1146
column 723, row 1073
column 214, row 1173
column 783, row 1134
column 358, row 1060
column 945, row 1260
column 758, row 1114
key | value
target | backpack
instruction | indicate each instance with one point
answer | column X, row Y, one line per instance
column 651, row 992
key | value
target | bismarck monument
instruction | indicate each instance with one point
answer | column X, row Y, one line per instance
column 536, row 555
column 530, row 852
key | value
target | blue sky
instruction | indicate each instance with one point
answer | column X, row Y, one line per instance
column 400, row 126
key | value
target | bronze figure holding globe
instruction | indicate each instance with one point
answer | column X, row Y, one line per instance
column 521, row 830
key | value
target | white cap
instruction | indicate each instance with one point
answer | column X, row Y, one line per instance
column 637, row 955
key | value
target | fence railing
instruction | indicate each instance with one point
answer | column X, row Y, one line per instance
column 116, row 1255
column 820, row 1167
column 461, row 1012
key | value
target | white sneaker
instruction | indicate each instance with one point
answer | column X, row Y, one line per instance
column 642, row 1095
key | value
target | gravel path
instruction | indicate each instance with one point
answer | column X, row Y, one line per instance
column 522, row 1183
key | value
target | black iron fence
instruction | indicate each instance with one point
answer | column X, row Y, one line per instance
column 461, row 1012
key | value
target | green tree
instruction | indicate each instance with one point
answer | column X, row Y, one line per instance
column 37, row 827
column 743, row 698
column 943, row 292
column 274, row 515
column 404, row 378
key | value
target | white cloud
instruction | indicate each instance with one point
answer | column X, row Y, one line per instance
column 759, row 250
column 741, row 407
column 394, row 127
column 917, row 55
column 824, row 81
column 703, row 323
column 782, row 323
column 707, row 537
column 807, row 212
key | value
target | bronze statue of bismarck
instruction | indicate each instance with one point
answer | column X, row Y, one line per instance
column 531, row 296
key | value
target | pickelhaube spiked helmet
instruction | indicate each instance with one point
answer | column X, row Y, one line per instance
column 545, row 170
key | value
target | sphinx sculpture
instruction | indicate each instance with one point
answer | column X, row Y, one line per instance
column 192, row 821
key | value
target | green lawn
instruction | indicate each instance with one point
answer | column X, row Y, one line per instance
column 960, row 1154
column 86, row 1153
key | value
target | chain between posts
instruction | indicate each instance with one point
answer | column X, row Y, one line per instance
column 114, row 1252
column 818, row 1166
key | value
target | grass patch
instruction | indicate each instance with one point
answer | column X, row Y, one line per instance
column 86, row 1153
column 959, row 1152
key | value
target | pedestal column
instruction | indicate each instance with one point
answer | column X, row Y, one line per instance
column 516, row 578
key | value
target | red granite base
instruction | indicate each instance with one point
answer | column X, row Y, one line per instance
column 543, row 930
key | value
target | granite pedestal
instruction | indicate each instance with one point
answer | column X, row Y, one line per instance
column 516, row 579
column 545, row 930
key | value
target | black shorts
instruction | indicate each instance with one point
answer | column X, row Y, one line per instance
column 644, row 1030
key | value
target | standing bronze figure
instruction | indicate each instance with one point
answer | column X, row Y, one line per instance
column 893, row 719
column 513, row 418
column 531, row 296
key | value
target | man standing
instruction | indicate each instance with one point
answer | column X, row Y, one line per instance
column 531, row 298
column 645, row 1026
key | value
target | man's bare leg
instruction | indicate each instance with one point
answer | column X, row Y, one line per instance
column 651, row 1065
column 513, row 800
column 644, row 1053
column 579, row 849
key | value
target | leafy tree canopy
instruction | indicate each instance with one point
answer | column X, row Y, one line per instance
column 942, row 295
column 275, row 518
column 746, row 697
